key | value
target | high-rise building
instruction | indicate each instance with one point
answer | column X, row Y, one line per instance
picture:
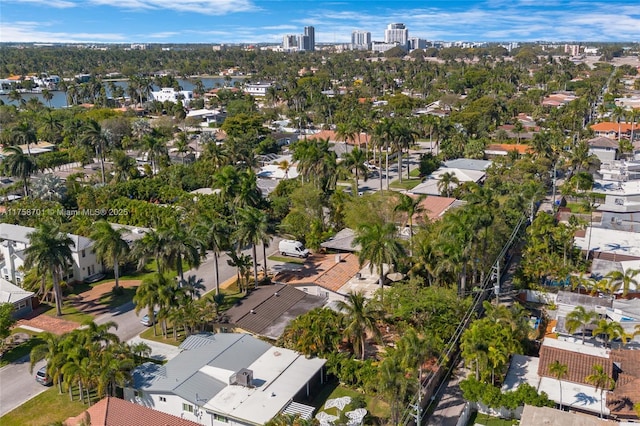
column 396, row 33
column 360, row 40
column 290, row 42
column 309, row 39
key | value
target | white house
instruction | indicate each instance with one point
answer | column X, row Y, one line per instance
column 171, row 95
column 228, row 379
column 257, row 89
column 15, row 239
column 19, row 298
column 620, row 197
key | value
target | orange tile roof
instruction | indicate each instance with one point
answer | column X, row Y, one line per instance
column 112, row 411
column 519, row 148
column 627, row 390
column 324, row 271
column 579, row 366
column 333, row 137
column 608, row 126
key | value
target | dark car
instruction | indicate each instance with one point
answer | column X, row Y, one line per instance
column 94, row 278
column 43, row 378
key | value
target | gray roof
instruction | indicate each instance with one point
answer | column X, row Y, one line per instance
column 602, row 142
column 342, row 241
column 468, row 164
column 576, row 299
column 269, row 309
column 181, row 375
column 20, row 234
column 10, row 293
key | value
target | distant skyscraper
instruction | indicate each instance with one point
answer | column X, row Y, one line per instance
column 360, row 40
column 309, row 38
column 290, row 42
column 396, row 33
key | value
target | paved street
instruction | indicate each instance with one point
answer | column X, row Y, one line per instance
column 18, row 385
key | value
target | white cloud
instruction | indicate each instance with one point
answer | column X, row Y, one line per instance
column 27, row 31
column 58, row 4
column 205, row 7
column 163, row 34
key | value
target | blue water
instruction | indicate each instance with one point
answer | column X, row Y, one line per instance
column 60, row 100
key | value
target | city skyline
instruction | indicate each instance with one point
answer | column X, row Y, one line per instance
column 258, row 21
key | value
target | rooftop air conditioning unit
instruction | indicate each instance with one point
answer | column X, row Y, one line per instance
column 244, row 377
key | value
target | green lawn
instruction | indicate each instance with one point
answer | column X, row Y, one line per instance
column 405, row 184
column 22, row 349
column 483, row 419
column 45, row 409
column 69, row 312
column 376, row 407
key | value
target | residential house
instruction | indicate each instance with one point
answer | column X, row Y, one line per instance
column 331, row 276
column 620, row 197
column 172, row 95
column 268, row 310
column 613, row 130
column 609, row 244
column 18, row 297
column 358, row 139
column 257, row 89
column 111, row 411
column 208, row 116
column 501, row 150
column 229, row 379
column 606, row 149
column 559, row 99
column 431, row 184
column 15, row 240
column 342, row 242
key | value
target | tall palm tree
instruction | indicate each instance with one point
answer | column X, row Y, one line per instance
column 20, row 166
column 379, row 247
column 215, row 232
column 156, row 149
column 49, row 187
column 147, row 295
column 601, row 380
column 559, row 370
column 49, row 249
column 178, row 243
column 252, row 229
column 98, row 138
column 355, row 161
column 360, row 317
column 50, row 350
column 411, row 206
column 25, row 134
column 109, row 245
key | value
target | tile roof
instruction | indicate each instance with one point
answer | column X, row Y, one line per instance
column 333, row 137
column 627, row 390
column 112, row 411
column 602, row 142
column 608, row 126
column 579, row 365
column 324, row 271
column 268, row 310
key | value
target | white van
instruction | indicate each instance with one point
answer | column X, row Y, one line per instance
column 292, row 248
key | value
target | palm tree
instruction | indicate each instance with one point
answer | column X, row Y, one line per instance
column 20, row 166
column 355, row 161
column 147, row 295
column 411, row 206
column 601, row 380
column 109, row 246
column 49, row 249
column 178, row 243
column 156, row 149
column 98, row 138
column 123, row 167
column 285, row 166
column 25, row 134
column 252, row 229
column 447, row 179
column 49, row 187
column 215, row 232
column 579, row 318
column 359, row 318
column 559, row 370
column 625, row 280
column 611, row 330
column 379, row 247
column 50, row 350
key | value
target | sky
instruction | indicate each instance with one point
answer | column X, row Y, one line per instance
column 258, row 21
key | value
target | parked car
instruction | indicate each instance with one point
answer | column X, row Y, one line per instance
column 94, row 278
column 146, row 321
column 43, row 378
